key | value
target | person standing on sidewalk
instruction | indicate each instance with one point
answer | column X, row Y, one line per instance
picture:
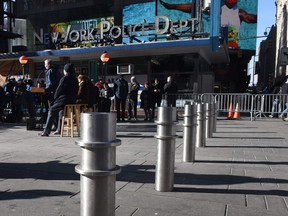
column 133, row 88
column 157, row 95
column 171, row 89
column 52, row 78
column 284, row 91
column 121, row 93
column 66, row 93
column 276, row 106
column 147, row 101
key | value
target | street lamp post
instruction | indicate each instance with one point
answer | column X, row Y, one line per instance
column 23, row 61
column 104, row 58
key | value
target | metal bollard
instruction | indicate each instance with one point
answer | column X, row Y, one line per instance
column 97, row 169
column 208, row 120
column 215, row 114
column 200, row 129
column 166, row 135
column 189, row 132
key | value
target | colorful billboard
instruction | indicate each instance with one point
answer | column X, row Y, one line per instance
column 138, row 13
column 239, row 16
column 78, row 33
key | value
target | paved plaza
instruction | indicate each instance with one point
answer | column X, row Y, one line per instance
column 242, row 171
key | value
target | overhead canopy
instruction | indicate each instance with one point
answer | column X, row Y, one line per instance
column 199, row 46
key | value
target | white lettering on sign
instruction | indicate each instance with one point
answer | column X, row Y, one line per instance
column 161, row 26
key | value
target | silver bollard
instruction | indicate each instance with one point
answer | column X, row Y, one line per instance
column 189, row 132
column 215, row 114
column 200, row 129
column 208, row 120
column 166, row 135
column 97, row 169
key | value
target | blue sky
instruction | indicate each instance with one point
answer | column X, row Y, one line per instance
column 266, row 17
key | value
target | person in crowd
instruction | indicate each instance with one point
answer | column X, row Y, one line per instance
column 2, row 103
column 276, row 106
column 99, row 84
column 83, row 91
column 93, row 95
column 133, row 88
column 171, row 89
column 121, row 93
column 147, row 101
column 52, row 78
column 66, row 93
column 30, row 98
column 284, row 90
column 105, row 98
column 20, row 93
column 158, row 91
column 10, row 99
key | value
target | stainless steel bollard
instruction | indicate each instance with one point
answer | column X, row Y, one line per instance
column 215, row 114
column 200, row 129
column 208, row 120
column 189, row 132
column 97, row 169
column 166, row 135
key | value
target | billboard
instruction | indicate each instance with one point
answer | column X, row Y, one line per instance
column 239, row 16
column 77, row 33
column 241, row 19
column 134, row 14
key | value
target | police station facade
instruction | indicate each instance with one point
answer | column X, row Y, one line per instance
column 152, row 49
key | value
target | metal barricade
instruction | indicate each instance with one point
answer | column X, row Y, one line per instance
column 245, row 102
column 270, row 105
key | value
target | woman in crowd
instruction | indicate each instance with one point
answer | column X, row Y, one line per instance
column 83, row 92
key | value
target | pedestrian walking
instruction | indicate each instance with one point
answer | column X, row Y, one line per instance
column 284, row 90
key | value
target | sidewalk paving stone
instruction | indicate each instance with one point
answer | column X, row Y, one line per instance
column 241, row 171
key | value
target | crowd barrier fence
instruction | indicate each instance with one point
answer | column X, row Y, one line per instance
column 255, row 105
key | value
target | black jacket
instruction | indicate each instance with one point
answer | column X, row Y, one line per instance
column 66, row 92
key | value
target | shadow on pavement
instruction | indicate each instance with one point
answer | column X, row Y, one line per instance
column 241, row 137
column 146, row 174
column 52, row 170
column 31, row 194
column 232, row 191
column 248, row 146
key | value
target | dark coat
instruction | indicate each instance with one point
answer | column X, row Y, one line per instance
column 83, row 93
column 158, row 91
column 52, row 79
column 146, row 97
column 66, row 92
column 121, row 88
column 170, row 87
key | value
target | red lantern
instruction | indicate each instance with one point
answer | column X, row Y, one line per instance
column 105, row 57
column 23, row 60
